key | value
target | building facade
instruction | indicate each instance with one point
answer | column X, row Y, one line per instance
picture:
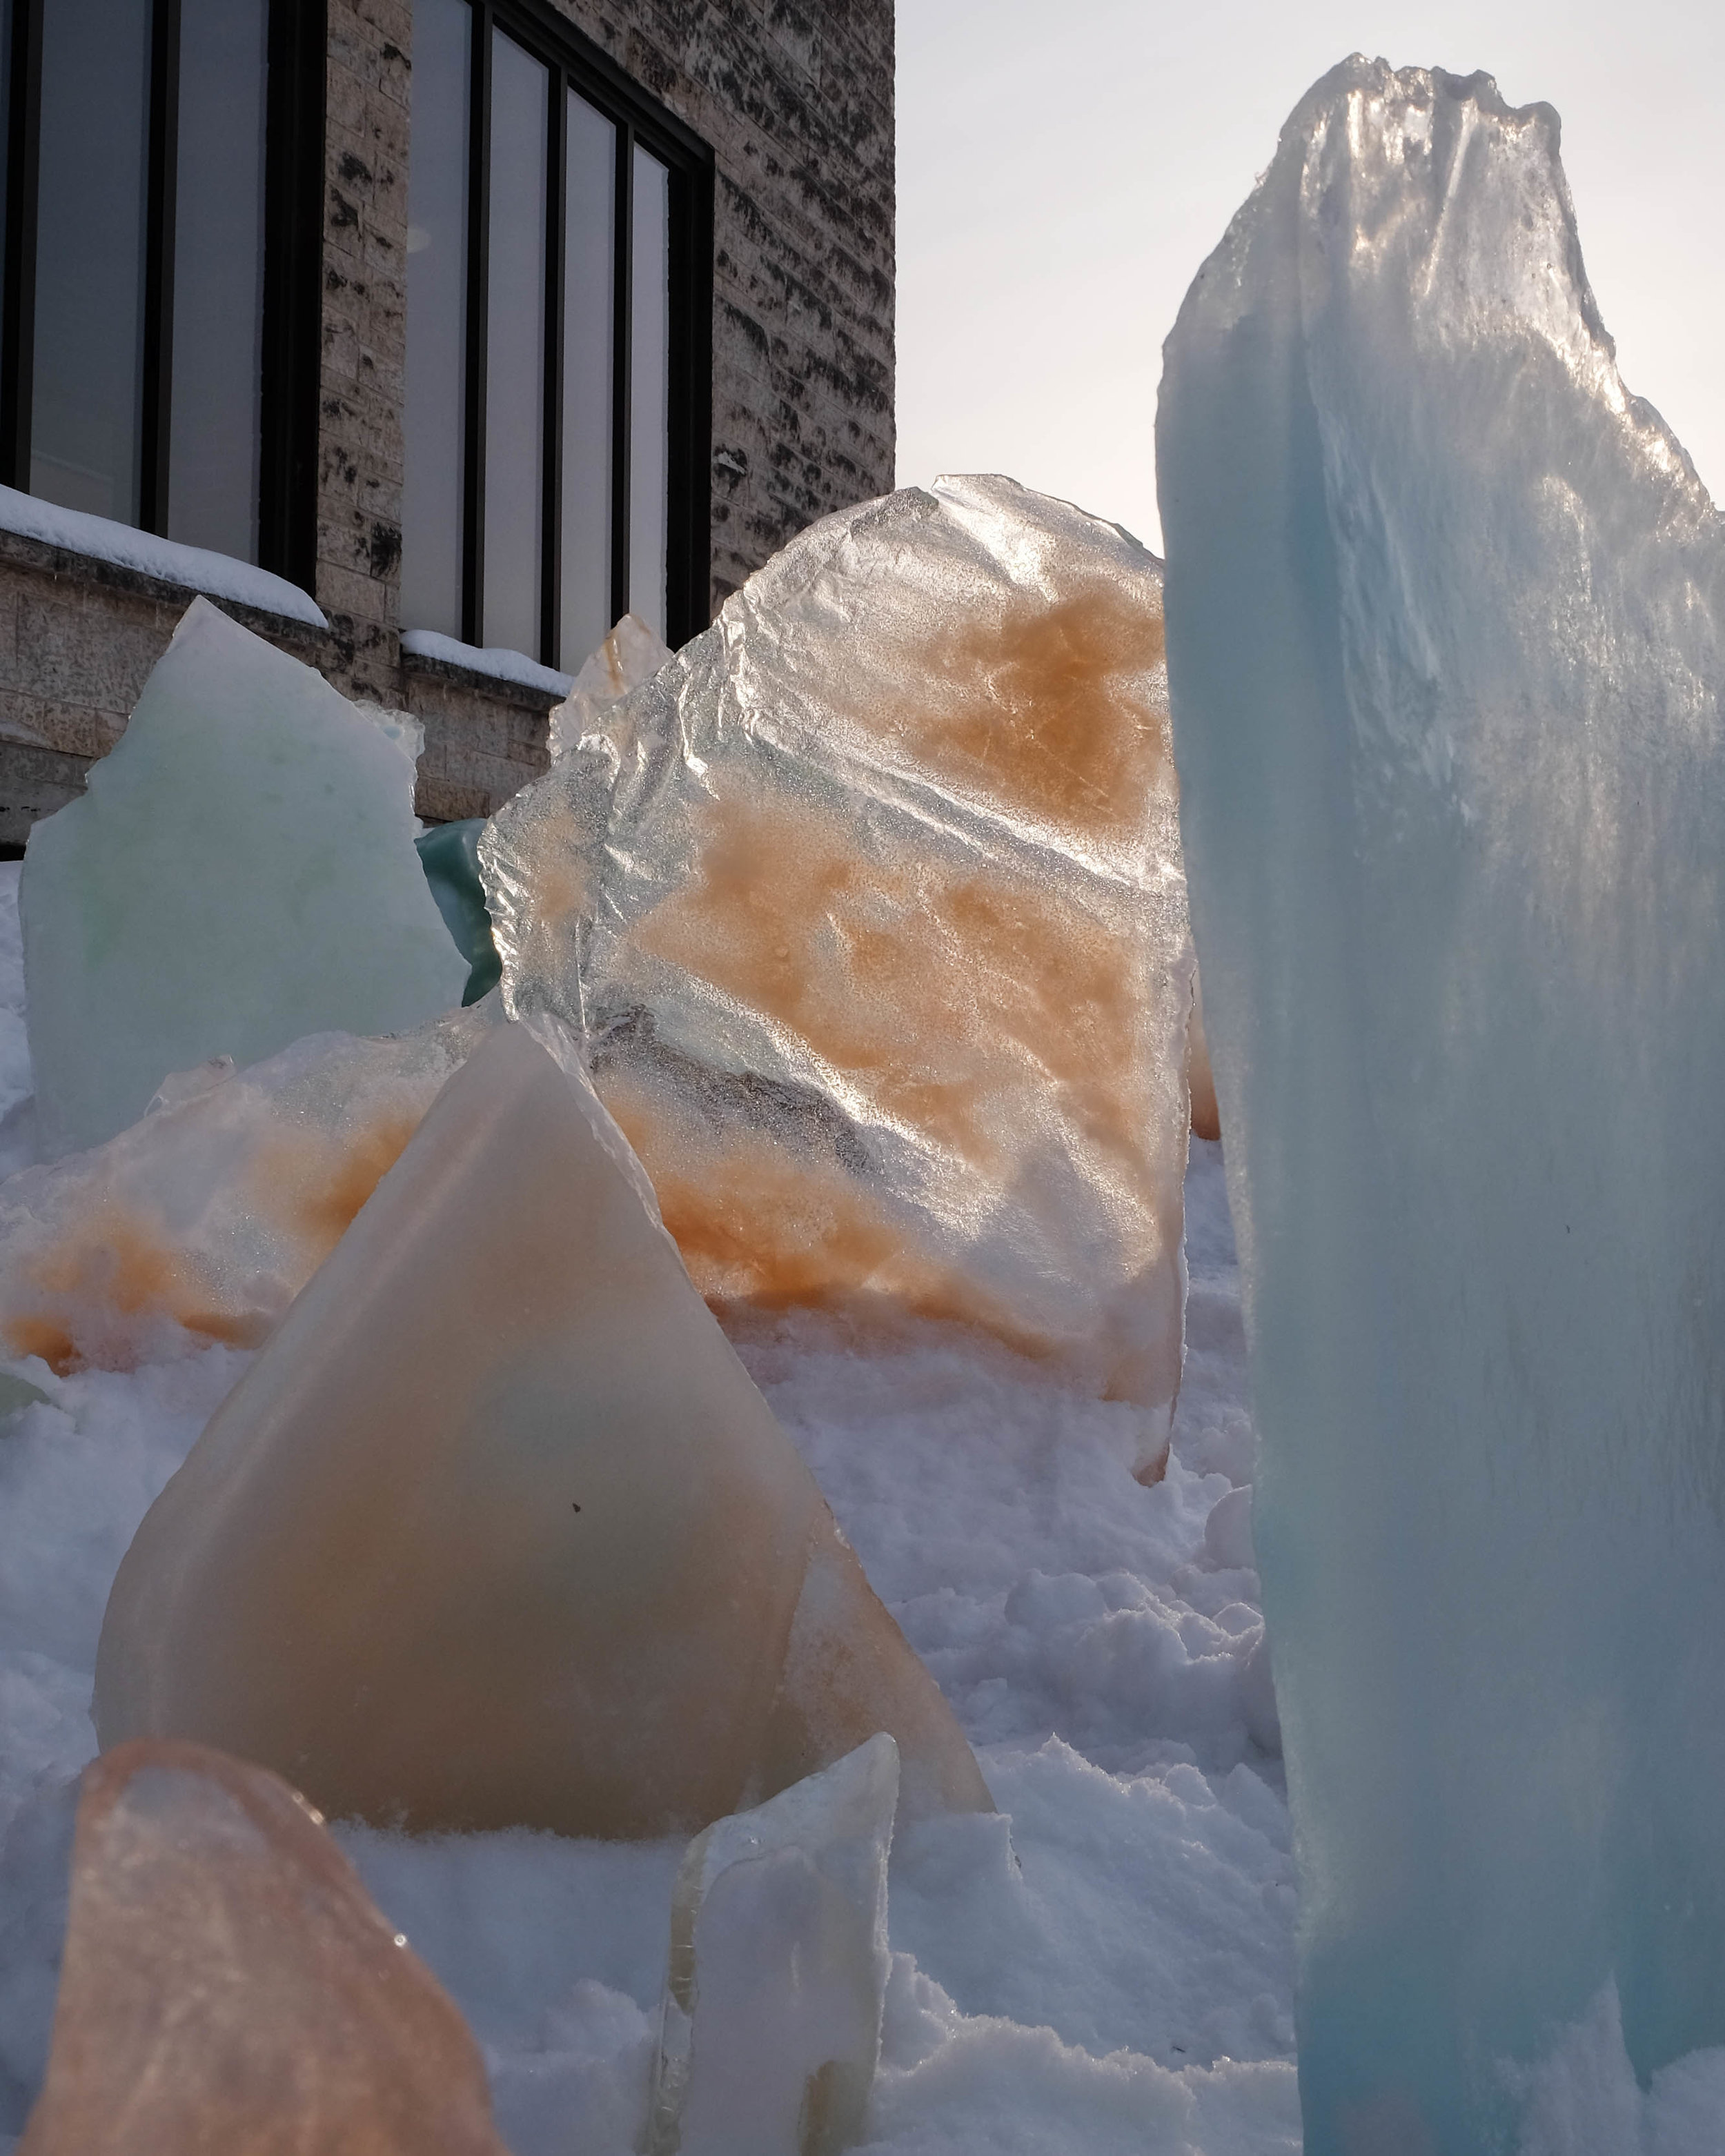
column 471, row 321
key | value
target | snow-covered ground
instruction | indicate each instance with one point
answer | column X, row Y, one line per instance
column 1104, row 1966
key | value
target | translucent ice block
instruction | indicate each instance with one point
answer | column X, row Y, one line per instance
column 771, row 2026
column 228, row 1984
column 204, row 1220
column 630, row 655
column 240, row 873
column 496, row 1531
column 1446, row 637
column 869, row 906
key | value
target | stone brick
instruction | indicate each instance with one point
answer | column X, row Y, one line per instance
column 796, row 100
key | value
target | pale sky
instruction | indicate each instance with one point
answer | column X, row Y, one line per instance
column 1064, row 167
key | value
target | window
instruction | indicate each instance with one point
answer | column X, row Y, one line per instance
column 158, row 330
column 559, row 374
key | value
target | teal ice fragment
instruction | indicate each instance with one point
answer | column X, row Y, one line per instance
column 449, row 853
column 240, row 873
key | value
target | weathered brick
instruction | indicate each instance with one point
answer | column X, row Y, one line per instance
column 796, row 100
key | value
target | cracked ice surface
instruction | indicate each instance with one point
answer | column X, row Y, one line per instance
column 1446, row 623
column 869, row 907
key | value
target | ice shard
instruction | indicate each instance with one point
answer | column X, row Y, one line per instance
column 869, row 907
column 240, row 873
column 1447, row 640
column 228, row 1983
column 204, row 1220
column 496, row 1531
column 771, row 2026
column 449, row 853
column 630, row 654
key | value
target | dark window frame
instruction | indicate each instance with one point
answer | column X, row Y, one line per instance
column 293, row 273
column 573, row 62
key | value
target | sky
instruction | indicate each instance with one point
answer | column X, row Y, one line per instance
column 1064, row 167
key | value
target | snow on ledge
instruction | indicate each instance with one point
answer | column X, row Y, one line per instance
column 101, row 539
column 493, row 658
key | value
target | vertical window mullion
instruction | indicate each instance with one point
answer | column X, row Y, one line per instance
column 17, row 301
column 292, row 325
column 624, row 259
column 159, row 266
column 688, row 599
column 550, row 548
column 479, row 222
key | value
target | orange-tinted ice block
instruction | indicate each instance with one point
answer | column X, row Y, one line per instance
column 497, row 1531
column 871, row 910
column 230, row 1988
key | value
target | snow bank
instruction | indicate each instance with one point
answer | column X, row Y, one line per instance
column 195, row 567
column 496, row 659
column 1106, row 1967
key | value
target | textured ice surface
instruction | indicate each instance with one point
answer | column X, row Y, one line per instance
column 771, row 2029
column 1445, row 607
column 240, row 872
column 869, row 906
column 630, row 655
column 204, row 1220
column 496, row 1531
column 228, row 1984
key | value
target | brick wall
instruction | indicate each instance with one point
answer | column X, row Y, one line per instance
column 365, row 267
column 797, row 103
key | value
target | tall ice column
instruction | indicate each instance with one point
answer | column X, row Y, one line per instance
column 1444, row 608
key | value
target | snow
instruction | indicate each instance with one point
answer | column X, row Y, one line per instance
column 1105, row 1965
column 496, row 659
column 195, row 567
column 1446, row 646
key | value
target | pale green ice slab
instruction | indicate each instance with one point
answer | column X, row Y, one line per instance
column 241, row 872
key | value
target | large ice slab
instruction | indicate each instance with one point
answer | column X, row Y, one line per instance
column 869, row 907
column 228, row 1983
column 204, row 1220
column 1446, row 622
column 496, row 1531
column 771, row 2027
column 239, row 873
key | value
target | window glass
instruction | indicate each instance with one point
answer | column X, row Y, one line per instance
column 649, row 388
column 573, row 232
column 219, row 276
column 437, row 317
column 87, row 373
column 589, row 311
column 5, row 119
column 515, row 348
